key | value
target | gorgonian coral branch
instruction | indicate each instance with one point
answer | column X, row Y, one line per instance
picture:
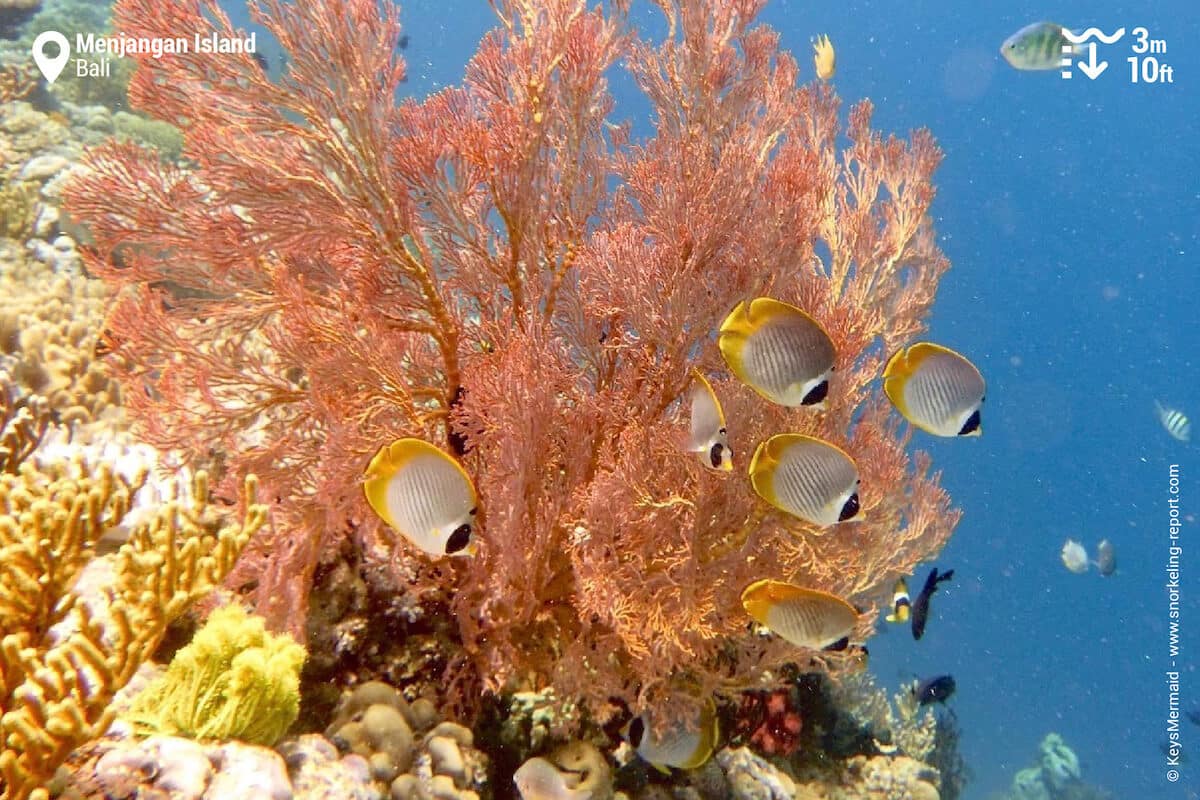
column 499, row 269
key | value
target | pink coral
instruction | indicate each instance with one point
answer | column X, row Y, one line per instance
column 498, row 269
column 771, row 721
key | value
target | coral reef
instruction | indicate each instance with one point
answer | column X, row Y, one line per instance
column 183, row 769
column 68, row 649
column 155, row 133
column 23, row 424
column 50, row 323
column 1054, row 776
column 901, row 724
column 71, row 17
column 18, row 80
column 17, row 209
column 499, row 270
column 879, row 778
column 948, row 760
column 1060, row 765
column 751, row 777
column 15, row 13
column 233, row 681
column 361, row 627
column 27, row 133
column 770, row 721
column 408, row 748
column 318, row 771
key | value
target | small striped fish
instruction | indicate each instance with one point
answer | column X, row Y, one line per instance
column 1038, row 46
column 1174, row 421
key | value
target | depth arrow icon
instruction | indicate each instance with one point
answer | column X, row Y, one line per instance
column 1091, row 68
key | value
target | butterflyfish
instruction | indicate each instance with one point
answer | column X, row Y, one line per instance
column 803, row 617
column 901, row 603
column 920, row 609
column 425, row 495
column 1174, row 422
column 824, row 58
column 778, row 351
column 575, row 771
column 686, row 744
column 806, row 477
column 1106, row 558
column 1039, row 46
column 538, row 779
column 936, row 389
column 1074, row 557
column 709, row 436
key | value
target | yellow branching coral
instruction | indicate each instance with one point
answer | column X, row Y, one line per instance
column 64, row 655
column 50, row 324
column 234, row 681
column 21, row 428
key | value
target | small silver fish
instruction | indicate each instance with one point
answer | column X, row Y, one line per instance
column 1174, row 421
column 1074, row 557
column 1106, row 558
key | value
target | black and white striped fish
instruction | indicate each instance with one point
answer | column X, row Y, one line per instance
column 1174, row 421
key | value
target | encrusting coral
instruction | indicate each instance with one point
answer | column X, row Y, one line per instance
column 50, row 325
column 233, row 681
column 18, row 201
column 408, row 748
column 498, row 270
column 64, row 654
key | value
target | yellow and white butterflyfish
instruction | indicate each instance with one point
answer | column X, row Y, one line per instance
column 708, row 435
column 778, row 351
column 936, row 389
column 824, row 58
column 540, row 779
column 687, row 744
column 804, row 617
column 425, row 495
column 901, row 602
column 806, row 477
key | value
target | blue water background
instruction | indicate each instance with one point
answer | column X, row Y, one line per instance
column 1071, row 211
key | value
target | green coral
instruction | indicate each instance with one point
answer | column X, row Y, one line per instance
column 163, row 136
column 234, row 681
column 1055, row 776
column 70, row 19
column 18, row 209
column 1060, row 766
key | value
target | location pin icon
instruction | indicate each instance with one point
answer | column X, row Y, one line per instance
column 51, row 66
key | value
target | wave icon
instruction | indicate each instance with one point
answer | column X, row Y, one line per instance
column 1089, row 33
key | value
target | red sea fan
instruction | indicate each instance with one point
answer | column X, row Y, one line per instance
column 498, row 268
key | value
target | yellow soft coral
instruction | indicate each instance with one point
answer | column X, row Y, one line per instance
column 234, row 681
column 63, row 655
